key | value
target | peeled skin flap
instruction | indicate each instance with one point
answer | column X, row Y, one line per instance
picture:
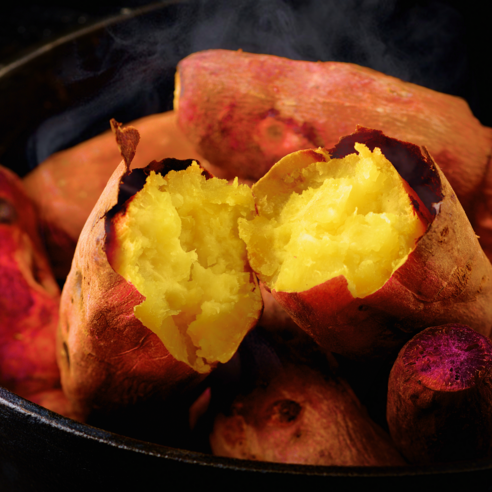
column 66, row 186
column 447, row 277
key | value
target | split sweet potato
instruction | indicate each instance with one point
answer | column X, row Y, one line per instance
column 29, row 296
column 290, row 407
column 159, row 291
column 66, row 186
column 245, row 111
column 362, row 260
column 440, row 394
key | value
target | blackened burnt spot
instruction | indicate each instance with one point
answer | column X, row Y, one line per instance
column 285, row 411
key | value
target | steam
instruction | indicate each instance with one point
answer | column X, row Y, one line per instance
column 132, row 72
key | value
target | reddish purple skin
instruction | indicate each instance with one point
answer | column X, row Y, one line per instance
column 29, row 296
column 440, row 396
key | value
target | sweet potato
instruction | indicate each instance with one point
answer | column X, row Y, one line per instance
column 115, row 353
column 291, row 409
column 339, row 290
column 246, row 111
column 440, row 395
column 56, row 401
column 29, row 296
column 66, row 186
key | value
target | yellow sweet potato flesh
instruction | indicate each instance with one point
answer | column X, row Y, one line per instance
column 179, row 246
column 349, row 217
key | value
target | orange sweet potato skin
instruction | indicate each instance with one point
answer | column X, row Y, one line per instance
column 29, row 296
column 108, row 359
column 245, row 111
column 447, row 278
column 66, row 186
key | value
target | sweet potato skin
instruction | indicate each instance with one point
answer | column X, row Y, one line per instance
column 29, row 296
column 66, row 186
column 434, row 419
column 447, row 278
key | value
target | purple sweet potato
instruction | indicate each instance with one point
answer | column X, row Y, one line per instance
column 440, row 396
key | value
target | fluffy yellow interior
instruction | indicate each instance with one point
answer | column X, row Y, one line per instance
column 349, row 217
column 179, row 246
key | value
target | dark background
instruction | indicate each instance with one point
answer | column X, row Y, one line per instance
column 439, row 44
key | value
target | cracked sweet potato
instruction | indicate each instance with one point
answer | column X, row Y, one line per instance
column 245, row 111
column 356, row 261
column 159, row 291
column 29, row 297
column 66, row 186
column 440, row 394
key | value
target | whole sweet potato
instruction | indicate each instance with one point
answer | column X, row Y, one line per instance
column 246, row 111
column 29, row 296
column 444, row 276
column 66, row 186
column 440, row 394
column 290, row 407
column 117, row 360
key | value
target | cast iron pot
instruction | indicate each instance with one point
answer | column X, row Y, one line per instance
column 64, row 93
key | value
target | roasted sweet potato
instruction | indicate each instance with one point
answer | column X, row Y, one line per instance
column 440, row 395
column 29, row 296
column 56, row 401
column 361, row 279
column 159, row 291
column 66, row 186
column 246, row 111
column 292, row 408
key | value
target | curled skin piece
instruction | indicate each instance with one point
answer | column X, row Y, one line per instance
column 66, row 186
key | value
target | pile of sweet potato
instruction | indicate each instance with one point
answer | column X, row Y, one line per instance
column 336, row 312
